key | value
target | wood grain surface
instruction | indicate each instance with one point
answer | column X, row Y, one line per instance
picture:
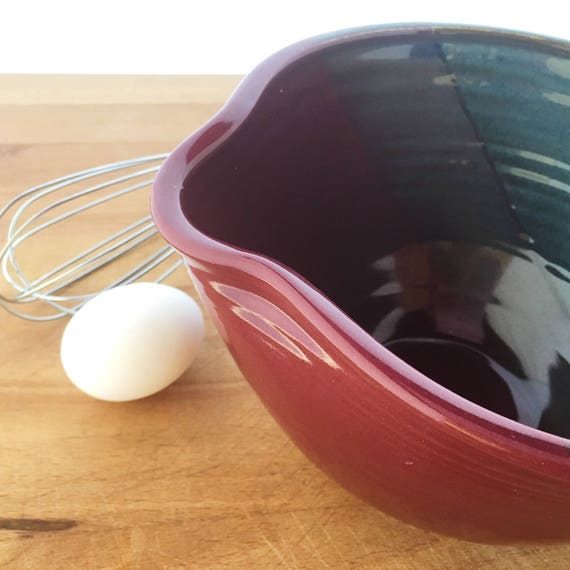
column 198, row 476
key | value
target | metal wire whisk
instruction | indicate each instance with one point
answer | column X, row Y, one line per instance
column 69, row 196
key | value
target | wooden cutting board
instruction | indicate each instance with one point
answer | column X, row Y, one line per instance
column 198, row 476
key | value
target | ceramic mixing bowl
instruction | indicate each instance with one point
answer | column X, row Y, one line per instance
column 377, row 222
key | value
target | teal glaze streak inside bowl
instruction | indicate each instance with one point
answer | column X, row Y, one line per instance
column 422, row 184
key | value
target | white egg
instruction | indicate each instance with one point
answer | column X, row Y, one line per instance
column 132, row 341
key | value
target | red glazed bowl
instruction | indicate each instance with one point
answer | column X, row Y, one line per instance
column 377, row 224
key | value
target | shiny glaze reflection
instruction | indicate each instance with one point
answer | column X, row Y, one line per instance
column 488, row 324
column 423, row 186
column 280, row 330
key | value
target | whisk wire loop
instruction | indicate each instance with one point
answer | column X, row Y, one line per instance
column 28, row 219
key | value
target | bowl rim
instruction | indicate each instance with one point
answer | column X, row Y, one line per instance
column 365, row 352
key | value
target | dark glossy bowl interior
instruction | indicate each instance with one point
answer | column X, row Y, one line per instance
column 422, row 185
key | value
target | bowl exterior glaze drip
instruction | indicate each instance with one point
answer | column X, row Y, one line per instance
column 378, row 426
